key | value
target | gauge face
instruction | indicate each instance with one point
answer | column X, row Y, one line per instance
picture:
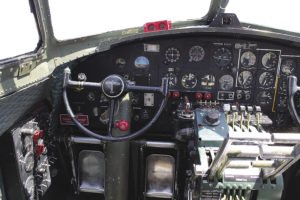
column 142, row 62
column 264, row 98
column 266, row 79
column 248, row 59
column 208, row 81
column 222, row 57
column 288, row 67
column 196, row 54
column 81, row 77
column 172, row 80
column 172, row 54
column 226, row 82
column 29, row 161
column 91, row 96
column 245, row 79
column 269, row 60
column 120, row 62
column 189, row 81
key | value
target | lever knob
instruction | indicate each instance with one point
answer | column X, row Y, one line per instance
column 212, row 117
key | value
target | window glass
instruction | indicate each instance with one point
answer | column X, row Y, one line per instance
column 18, row 34
column 72, row 19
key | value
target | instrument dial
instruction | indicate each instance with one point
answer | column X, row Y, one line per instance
column 245, row 79
column 172, row 55
column 288, row 67
column 266, row 79
column 120, row 62
column 248, row 59
column 189, row 81
column 81, row 77
column 269, row 60
column 222, row 57
column 196, row 53
column 172, row 80
column 264, row 98
column 142, row 62
column 226, row 82
column 208, row 81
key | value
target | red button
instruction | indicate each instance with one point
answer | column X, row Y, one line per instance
column 176, row 94
column 122, row 125
column 39, row 149
column 198, row 95
column 37, row 135
column 207, row 96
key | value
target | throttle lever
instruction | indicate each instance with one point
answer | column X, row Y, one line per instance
column 293, row 88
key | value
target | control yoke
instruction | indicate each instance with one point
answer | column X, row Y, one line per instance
column 293, row 88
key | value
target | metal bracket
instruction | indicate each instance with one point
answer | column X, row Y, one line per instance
column 26, row 67
column 225, row 20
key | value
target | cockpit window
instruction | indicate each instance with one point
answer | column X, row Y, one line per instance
column 72, row 19
column 274, row 14
column 19, row 33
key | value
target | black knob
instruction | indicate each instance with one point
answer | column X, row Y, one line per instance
column 212, row 117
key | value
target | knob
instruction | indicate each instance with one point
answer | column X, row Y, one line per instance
column 122, row 125
column 212, row 117
column 207, row 96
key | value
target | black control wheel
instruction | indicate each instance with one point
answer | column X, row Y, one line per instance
column 293, row 89
column 113, row 87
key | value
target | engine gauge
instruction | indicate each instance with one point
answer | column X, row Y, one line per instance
column 269, row 60
column 248, row 59
column 226, row 82
column 266, row 79
column 172, row 55
column 189, row 81
column 288, row 67
column 142, row 62
column 222, row 57
column 81, row 77
column 196, row 53
column 264, row 98
column 208, row 81
column 120, row 62
column 245, row 79
column 172, row 80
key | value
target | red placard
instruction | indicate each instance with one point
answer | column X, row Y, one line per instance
column 66, row 120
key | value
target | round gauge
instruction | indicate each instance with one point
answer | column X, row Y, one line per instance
column 269, row 60
column 120, row 62
column 264, row 98
column 91, row 96
column 288, row 67
column 142, row 62
column 248, row 59
column 29, row 162
column 172, row 79
column 208, row 81
column 245, row 79
column 81, row 77
column 266, row 79
column 222, row 57
column 189, row 81
column 226, row 82
column 196, row 53
column 172, row 54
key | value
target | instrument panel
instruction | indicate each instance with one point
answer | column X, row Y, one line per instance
column 241, row 71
